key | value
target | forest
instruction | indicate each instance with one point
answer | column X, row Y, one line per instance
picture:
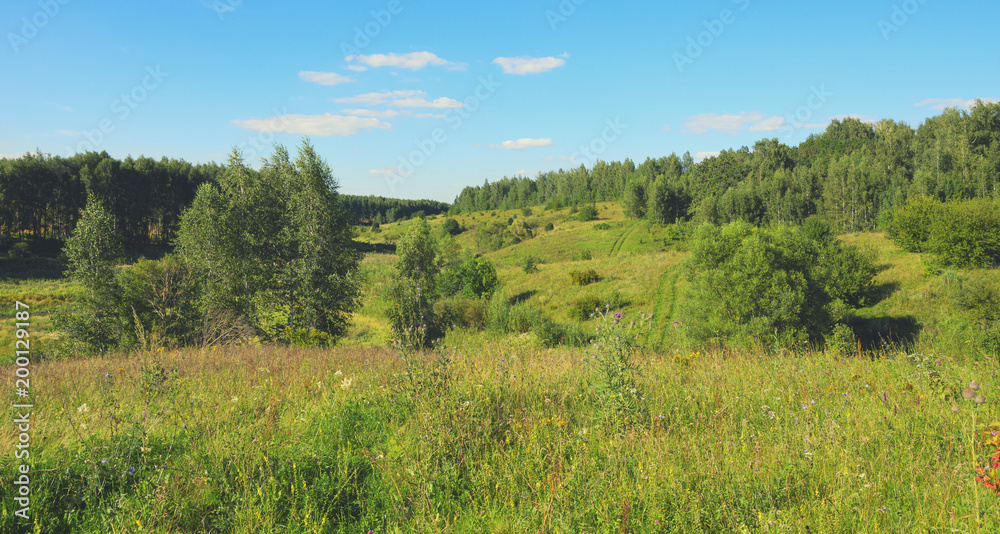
column 849, row 175
column 44, row 194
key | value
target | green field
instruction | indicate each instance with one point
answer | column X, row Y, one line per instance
column 499, row 433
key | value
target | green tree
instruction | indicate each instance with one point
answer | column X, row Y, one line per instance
column 93, row 251
column 274, row 247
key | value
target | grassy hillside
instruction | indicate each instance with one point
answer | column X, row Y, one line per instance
column 640, row 269
column 495, row 433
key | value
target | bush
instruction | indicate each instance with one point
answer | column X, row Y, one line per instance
column 549, row 227
column 768, row 287
column 526, row 212
column 582, row 278
column 479, row 278
column 530, row 264
column 602, row 226
column 585, row 308
column 587, row 213
column 585, row 255
column 461, row 311
column 451, row 227
column 964, row 234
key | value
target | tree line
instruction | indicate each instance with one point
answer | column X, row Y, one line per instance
column 850, row 175
column 43, row 195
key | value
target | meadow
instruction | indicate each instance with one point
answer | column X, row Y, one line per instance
column 495, row 432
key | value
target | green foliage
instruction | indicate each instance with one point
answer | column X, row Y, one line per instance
column 768, row 287
column 273, row 247
column 462, row 311
column 416, row 256
column 615, row 369
column 583, row 278
column 497, row 235
column 159, row 303
column 414, row 322
column 92, row 252
column 602, row 226
column 960, row 233
column 588, row 212
column 301, row 336
column 529, row 264
column 841, row 342
column 479, row 278
column 526, row 212
column 451, row 227
column 585, row 308
column 910, row 225
column 549, row 227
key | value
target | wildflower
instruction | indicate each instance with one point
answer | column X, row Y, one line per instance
column 104, row 461
column 234, row 399
column 618, row 315
column 131, row 470
column 83, row 408
column 346, row 383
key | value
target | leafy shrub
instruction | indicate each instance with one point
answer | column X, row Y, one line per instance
column 964, row 234
column 301, row 336
column 479, row 278
column 841, row 341
column 462, row 311
column 451, row 227
column 602, row 226
column 767, row 287
column 587, row 213
column 497, row 235
column 585, row 255
column 376, row 227
column 412, row 316
column 530, row 264
column 549, row 227
column 504, row 318
column 585, row 308
column 582, row 278
column 526, row 212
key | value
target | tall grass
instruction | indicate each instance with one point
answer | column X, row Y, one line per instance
column 504, row 438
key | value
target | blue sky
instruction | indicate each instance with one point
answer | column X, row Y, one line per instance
column 419, row 99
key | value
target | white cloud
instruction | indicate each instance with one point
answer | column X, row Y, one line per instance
column 943, row 103
column 418, row 102
column 390, row 113
column 13, row 156
column 378, row 114
column 524, row 143
column 523, row 65
column 390, row 171
column 400, row 99
column 324, row 78
column 412, row 61
column 561, row 158
column 325, row 125
column 702, row 156
column 727, row 124
column 522, row 172
column 357, row 68
column 770, row 124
